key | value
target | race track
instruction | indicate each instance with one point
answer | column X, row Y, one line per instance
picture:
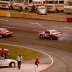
column 26, row 34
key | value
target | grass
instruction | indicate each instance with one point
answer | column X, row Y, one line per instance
column 15, row 50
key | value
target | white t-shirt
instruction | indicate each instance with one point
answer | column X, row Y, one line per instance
column 19, row 58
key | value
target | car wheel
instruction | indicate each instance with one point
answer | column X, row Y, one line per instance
column 51, row 38
column 41, row 36
column 12, row 64
column 4, row 36
column 57, row 11
column 20, row 9
column 11, row 8
column 56, row 38
column 0, row 35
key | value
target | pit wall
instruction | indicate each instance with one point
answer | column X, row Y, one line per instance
column 49, row 16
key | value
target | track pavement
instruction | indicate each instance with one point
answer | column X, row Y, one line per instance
column 26, row 34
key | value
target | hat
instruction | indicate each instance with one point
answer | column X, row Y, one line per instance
column 36, row 57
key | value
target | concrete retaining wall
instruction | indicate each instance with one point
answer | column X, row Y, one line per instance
column 3, row 13
column 49, row 16
column 53, row 17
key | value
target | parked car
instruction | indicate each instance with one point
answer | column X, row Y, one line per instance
column 6, row 4
column 68, row 6
column 5, row 32
column 7, row 62
column 20, row 5
column 42, row 10
column 54, row 5
column 50, row 34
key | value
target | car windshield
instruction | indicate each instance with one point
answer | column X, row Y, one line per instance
column 47, row 32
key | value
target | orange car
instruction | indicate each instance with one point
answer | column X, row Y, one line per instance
column 5, row 32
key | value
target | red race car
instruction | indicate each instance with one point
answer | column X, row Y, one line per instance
column 5, row 32
column 50, row 34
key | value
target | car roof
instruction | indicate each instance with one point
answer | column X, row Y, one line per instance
column 51, row 30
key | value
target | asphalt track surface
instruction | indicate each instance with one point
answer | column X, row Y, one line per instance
column 26, row 34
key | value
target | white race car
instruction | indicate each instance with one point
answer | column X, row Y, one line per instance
column 51, row 34
column 8, row 62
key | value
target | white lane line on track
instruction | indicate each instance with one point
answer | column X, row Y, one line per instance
column 52, row 61
column 38, row 25
column 3, row 20
column 8, row 27
column 68, row 27
column 33, row 23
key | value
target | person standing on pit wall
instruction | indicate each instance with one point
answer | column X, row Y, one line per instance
column 36, row 64
column 19, row 60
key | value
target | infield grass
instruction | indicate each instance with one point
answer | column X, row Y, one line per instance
column 27, row 54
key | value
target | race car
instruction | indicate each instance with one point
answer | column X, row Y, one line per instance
column 5, row 32
column 7, row 62
column 50, row 34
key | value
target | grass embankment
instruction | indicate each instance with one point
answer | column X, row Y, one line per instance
column 15, row 50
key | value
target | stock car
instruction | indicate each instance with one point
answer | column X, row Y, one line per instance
column 50, row 34
column 5, row 32
column 7, row 62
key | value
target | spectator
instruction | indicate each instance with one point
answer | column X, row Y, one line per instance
column 2, row 52
column 36, row 64
column 33, row 8
column 5, row 55
column 19, row 60
column 2, row 48
column 2, row 57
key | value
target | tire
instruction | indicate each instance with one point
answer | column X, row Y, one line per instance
column 51, row 38
column 11, row 8
column 12, row 64
column 41, row 36
column 20, row 9
column 0, row 35
column 56, row 38
column 4, row 36
column 57, row 11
